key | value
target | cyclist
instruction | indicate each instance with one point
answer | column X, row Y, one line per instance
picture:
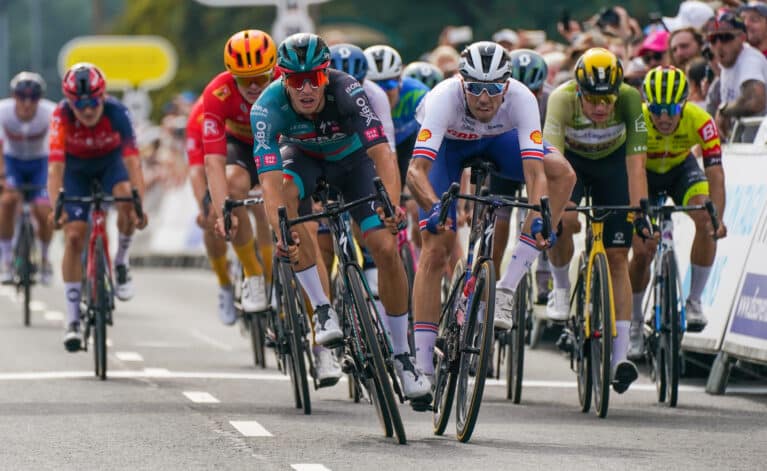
column 425, row 72
column 597, row 120
column 227, row 140
column 214, row 246
column 479, row 113
column 675, row 126
column 91, row 138
column 329, row 129
column 24, row 123
column 528, row 67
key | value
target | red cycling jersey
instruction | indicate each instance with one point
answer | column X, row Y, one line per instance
column 194, row 150
column 226, row 112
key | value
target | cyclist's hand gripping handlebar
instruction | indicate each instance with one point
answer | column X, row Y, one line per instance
column 383, row 198
column 446, row 200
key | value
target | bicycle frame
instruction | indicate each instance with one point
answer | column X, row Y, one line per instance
column 98, row 229
column 597, row 247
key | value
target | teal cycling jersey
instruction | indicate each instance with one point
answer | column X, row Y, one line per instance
column 346, row 125
column 411, row 93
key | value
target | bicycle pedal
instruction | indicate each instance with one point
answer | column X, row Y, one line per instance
column 327, row 382
column 565, row 343
column 422, row 405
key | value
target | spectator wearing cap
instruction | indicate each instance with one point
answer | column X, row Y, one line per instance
column 692, row 14
column 743, row 71
column 755, row 17
column 446, row 59
column 654, row 48
column 507, row 38
column 698, row 71
column 684, row 45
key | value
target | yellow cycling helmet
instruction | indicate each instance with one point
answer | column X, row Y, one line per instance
column 250, row 52
column 599, row 72
column 665, row 86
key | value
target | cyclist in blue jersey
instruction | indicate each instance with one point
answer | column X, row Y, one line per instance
column 328, row 129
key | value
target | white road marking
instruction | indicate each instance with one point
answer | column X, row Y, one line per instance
column 210, row 341
column 7, row 291
column 156, row 372
column 160, row 344
column 35, row 305
column 201, row 397
column 309, row 467
column 129, row 356
column 53, row 316
column 250, row 428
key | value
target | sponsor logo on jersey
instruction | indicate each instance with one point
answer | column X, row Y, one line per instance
column 463, row 135
column 424, row 135
column 270, row 159
column 372, row 134
column 365, row 111
column 639, row 124
column 536, row 137
column 260, row 136
column 707, row 132
column 209, row 128
column 222, row 92
column 349, row 88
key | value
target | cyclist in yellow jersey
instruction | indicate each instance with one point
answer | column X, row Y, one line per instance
column 674, row 127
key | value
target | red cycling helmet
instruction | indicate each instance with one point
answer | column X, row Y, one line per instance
column 83, row 80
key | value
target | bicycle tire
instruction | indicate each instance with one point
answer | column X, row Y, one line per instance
column 601, row 334
column 468, row 402
column 24, row 266
column 295, row 358
column 515, row 363
column 373, row 348
column 257, row 327
column 581, row 346
column 446, row 370
column 406, row 254
column 671, row 333
column 101, row 305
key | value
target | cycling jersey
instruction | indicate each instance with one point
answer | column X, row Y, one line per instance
column 380, row 104
column 665, row 152
column 346, row 126
column 568, row 128
column 194, row 150
column 25, row 140
column 226, row 112
column 411, row 92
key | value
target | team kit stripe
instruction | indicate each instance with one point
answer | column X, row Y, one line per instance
column 526, row 239
column 425, row 152
column 531, row 154
column 426, row 327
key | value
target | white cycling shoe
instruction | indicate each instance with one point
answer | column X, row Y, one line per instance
column 558, row 307
column 253, row 297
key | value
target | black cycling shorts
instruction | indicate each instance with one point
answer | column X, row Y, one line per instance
column 404, row 153
column 680, row 183
column 241, row 154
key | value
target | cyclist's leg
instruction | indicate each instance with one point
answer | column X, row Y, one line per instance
column 263, row 235
column 8, row 206
column 502, row 186
column 41, row 210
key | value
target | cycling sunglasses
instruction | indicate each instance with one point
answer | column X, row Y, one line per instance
column 83, row 103
column 316, row 79
column 476, row 88
column 652, row 57
column 261, row 80
column 387, row 85
column 32, row 96
column 600, row 99
column 671, row 109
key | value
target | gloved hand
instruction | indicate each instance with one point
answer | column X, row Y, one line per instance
column 432, row 222
column 642, row 226
column 537, row 228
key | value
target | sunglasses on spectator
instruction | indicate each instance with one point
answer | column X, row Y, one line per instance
column 316, row 79
column 83, row 103
column 476, row 88
column 387, row 85
column 31, row 96
column 723, row 37
column 600, row 99
column 261, row 80
column 671, row 109
column 652, row 57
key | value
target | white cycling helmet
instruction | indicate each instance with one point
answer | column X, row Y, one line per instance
column 384, row 63
column 485, row 61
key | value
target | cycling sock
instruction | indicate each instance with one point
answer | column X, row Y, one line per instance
column 384, row 317
column 123, row 244
column 371, row 274
column 246, row 253
column 425, row 337
column 522, row 258
column 637, row 314
column 310, row 281
column 698, row 280
column 267, row 257
column 561, row 276
column 44, row 250
column 220, row 267
column 397, row 327
column 72, row 290
column 620, row 343
column 6, row 247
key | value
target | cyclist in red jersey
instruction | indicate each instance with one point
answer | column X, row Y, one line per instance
column 91, row 138
column 214, row 246
column 227, row 140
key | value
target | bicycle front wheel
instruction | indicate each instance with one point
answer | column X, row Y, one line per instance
column 601, row 334
column 101, row 307
column 581, row 346
column 292, row 303
column 476, row 355
column 515, row 362
column 257, row 327
column 670, row 329
column 23, row 265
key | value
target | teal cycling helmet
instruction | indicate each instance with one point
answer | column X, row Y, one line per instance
column 302, row 52
column 426, row 73
column 528, row 67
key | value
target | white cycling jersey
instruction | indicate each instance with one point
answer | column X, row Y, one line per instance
column 381, row 106
column 25, row 140
column 443, row 114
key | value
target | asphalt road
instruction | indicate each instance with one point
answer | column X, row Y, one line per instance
column 183, row 394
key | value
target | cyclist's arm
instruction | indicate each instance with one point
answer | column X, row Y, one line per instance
column 199, row 183
column 636, row 143
column 711, row 150
column 528, row 123
column 558, row 112
column 214, row 148
column 268, row 121
column 387, row 170
column 715, row 176
column 56, row 156
column 122, row 123
column 434, row 113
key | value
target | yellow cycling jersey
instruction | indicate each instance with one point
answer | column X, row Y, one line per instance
column 664, row 152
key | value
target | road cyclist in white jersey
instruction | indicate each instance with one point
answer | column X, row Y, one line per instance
column 24, row 122
column 480, row 113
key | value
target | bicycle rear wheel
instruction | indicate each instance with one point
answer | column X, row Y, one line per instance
column 515, row 362
column 101, row 306
column 257, row 327
column 476, row 343
column 23, row 265
column 292, row 303
column 581, row 345
column 671, row 329
column 601, row 334
column 446, row 368
column 374, row 352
